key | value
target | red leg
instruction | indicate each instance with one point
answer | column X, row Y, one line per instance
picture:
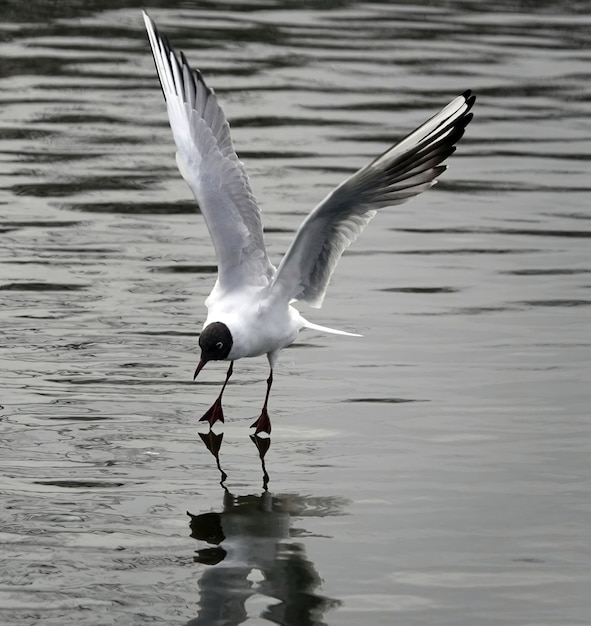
column 215, row 412
column 263, row 423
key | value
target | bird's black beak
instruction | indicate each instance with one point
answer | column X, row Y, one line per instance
column 199, row 367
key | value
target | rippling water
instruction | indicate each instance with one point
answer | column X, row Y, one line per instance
column 434, row 472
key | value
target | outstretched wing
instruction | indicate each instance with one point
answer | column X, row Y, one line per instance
column 405, row 170
column 207, row 161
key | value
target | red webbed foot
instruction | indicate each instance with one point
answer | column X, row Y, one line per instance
column 214, row 413
column 262, row 424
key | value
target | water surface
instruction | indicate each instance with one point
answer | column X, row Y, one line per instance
column 434, row 472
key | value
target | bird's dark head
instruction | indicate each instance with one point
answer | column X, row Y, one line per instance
column 215, row 342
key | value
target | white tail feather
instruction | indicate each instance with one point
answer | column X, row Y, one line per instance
column 325, row 329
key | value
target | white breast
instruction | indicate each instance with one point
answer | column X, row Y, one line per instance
column 258, row 324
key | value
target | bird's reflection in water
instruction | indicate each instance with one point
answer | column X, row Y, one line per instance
column 252, row 555
column 213, row 442
column 262, row 444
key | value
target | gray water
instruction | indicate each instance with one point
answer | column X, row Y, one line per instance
column 435, row 472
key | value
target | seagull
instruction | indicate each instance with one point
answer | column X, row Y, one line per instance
column 249, row 311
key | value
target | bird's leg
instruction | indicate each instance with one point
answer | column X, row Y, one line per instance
column 263, row 423
column 215, row 412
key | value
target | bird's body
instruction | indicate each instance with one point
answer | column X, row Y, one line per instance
column 276, row 322
column 249, row 308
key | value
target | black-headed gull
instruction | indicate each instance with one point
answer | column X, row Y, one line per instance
column 249, row 311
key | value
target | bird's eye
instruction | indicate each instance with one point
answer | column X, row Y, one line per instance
column 219, row 345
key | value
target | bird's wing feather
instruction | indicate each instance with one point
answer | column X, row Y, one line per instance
column 207, row 161
column 405, row 170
